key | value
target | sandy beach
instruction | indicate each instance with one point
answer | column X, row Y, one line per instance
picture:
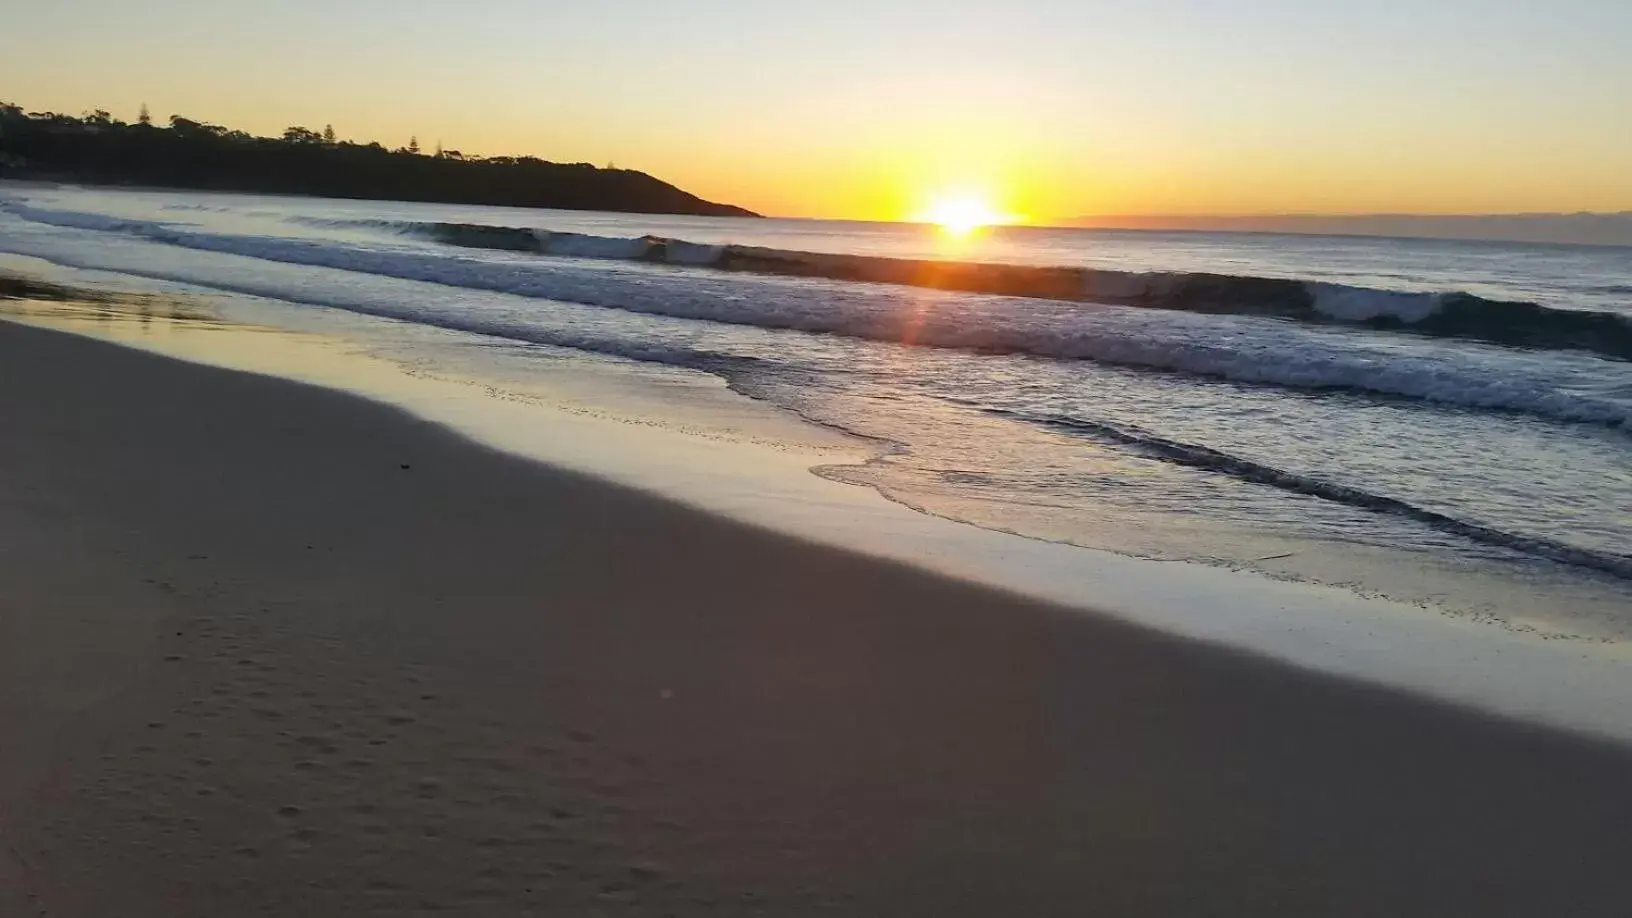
column 266, row 649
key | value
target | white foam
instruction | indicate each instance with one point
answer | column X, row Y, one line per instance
column 1357, row 304
column 677, row 252
column 74, row 219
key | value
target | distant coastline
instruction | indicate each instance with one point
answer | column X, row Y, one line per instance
column 1557, row 228
column 101, row 150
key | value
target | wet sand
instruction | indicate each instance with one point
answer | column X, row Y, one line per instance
column 267, row 649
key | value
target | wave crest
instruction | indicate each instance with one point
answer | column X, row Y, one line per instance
column 1439, row 314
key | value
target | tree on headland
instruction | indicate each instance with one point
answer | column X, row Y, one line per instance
column 301, row 135
column 187, row 127
column 144, row 118
column 97, row 148
column 8, row 114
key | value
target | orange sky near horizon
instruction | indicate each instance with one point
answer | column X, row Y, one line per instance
column 1047, row 110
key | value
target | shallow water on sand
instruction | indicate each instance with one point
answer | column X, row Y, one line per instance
column 683, row 434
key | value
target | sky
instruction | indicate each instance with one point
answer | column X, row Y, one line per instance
column 878, row 109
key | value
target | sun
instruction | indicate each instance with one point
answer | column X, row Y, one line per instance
column 962, row 213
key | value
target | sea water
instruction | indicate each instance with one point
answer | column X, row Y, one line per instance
column 1443, row 423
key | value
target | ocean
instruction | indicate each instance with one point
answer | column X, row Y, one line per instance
column 1445, row 424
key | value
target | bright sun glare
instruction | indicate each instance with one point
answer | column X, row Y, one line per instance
column 960, row 214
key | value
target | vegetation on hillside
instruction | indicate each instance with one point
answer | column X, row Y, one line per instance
column 97, row 148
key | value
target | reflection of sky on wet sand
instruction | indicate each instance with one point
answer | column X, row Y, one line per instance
column 149, row 314
column 185, row 327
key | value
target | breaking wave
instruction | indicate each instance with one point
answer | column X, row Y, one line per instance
column 1285, row 355
column 1445, row 314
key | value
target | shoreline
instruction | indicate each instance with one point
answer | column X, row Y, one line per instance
column 689, row 437
column 378, row 687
